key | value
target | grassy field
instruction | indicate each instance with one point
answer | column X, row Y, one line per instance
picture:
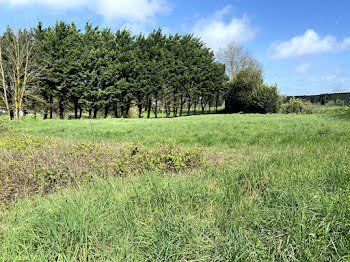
column 216, row 131
column 262, row 188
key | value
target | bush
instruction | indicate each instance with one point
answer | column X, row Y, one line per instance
column 133, row 112
column 265, row 99
column 248, row 93
column 330, row 103
column 339, row 102
column 298, row 106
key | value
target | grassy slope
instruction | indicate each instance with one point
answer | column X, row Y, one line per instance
column 286, row 198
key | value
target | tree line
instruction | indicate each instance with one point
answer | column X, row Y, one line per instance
column 63, row 69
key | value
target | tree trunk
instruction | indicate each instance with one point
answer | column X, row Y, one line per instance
column 217, row 102
column 95, row 112
column 167, row 109
column 9, row 115
column 12, row 114
column 90, row 113
column 115, row 109
column 156, row 110
column 46, row 112
column 174, row 106
column 149, row 108
column 188, row 109
column 80, row 112
column 126, row 110
column 182, row 102
column 51, row 106
column 106, row 110
column 140, row 111
column 75, row 111
column 202, row 106
column 61, row 109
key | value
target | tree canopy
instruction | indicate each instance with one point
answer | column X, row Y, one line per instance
column 97, row 70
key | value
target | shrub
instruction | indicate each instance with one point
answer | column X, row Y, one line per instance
column 339, row 102
column 293, row 106
column 248, row 93
column 330, row 103
column 240, row 89
column 298, row 106
column 133, row 112
column 265, row 99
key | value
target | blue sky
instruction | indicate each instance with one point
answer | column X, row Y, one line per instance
column 304, row 46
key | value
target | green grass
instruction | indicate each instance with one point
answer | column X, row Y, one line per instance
column 284, row 195
column 217, row 131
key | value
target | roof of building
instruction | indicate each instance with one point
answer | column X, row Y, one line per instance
column 333, row 93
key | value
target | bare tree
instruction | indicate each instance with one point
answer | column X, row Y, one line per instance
column 4, row 95
column 18, row 68
column 237, row 58
column 338, row 88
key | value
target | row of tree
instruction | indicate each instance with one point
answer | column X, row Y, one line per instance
column 63, row 69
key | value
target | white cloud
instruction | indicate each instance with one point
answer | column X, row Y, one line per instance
column 129, row 10
column 137, row 10
column 303, row 68
column 331, row 78
column 328, row 78
column 216, row 33
column 309, row 43
column 53, row 3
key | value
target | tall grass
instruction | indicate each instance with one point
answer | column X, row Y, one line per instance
column 275, row 207
column 282, row 194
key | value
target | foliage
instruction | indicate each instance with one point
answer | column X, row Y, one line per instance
column 99, row 70
column 337, row 102
column 265, row 99
column 330, row 103
column 247, row 93
column 298, row 106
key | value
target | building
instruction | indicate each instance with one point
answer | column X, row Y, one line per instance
column 324, row 98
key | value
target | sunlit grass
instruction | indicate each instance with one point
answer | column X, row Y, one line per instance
column 283, row 194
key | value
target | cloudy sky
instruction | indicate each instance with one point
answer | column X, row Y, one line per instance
column 304, row 46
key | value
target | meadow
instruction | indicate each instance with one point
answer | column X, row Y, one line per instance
column 241, row 187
